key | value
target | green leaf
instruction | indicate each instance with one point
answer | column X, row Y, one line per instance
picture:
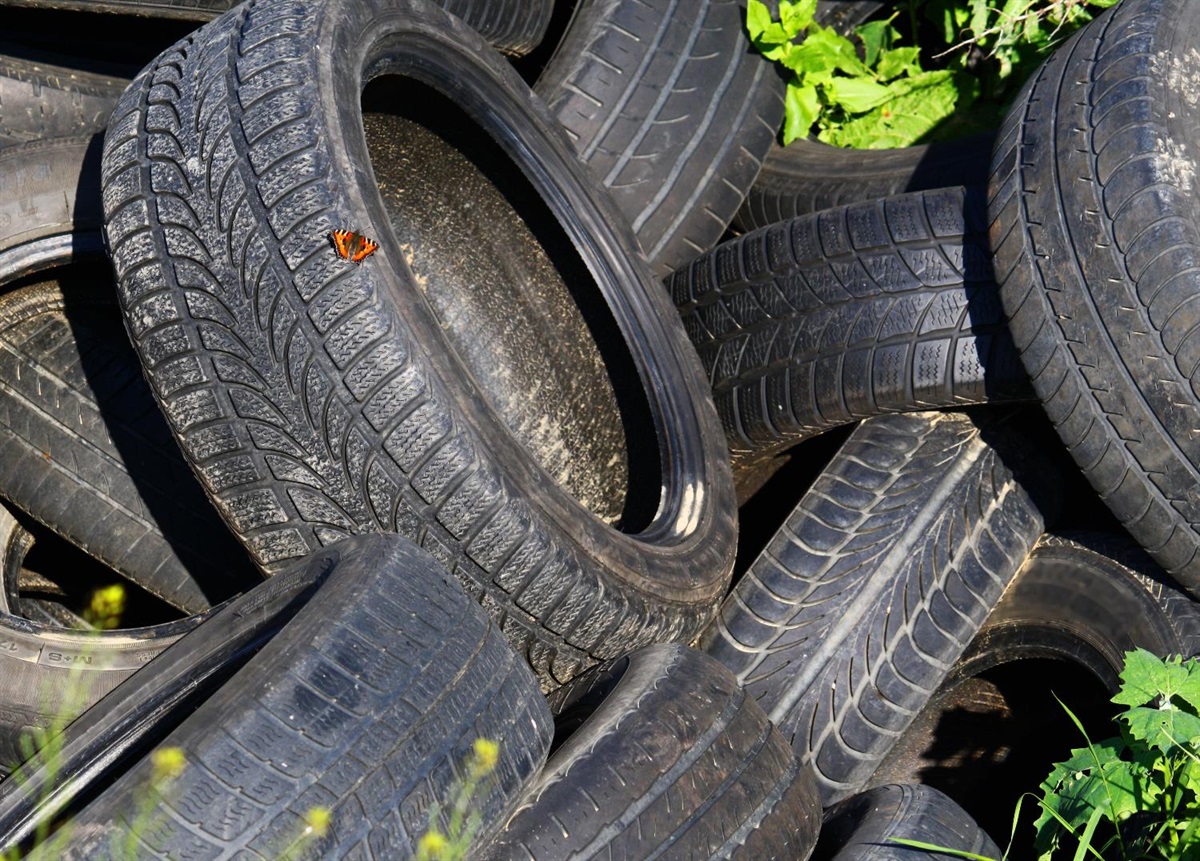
column 1165, row 728
column 758, row 18
column 942, row 850
column 802, row 105
column 823, row 52
column 875, row 36
column 900, row 61
column 796, row 17
column 857, row 95
column 918, row 105
column 1146, row 677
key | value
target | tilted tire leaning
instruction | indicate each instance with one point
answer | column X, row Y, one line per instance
column 1096, row 232
column 671, row 108
column 319, row 398
column 661, row 750
column 367, row 703
column 886, row 306
column 852, row 615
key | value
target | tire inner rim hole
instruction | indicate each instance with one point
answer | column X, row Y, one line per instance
column 517, row 304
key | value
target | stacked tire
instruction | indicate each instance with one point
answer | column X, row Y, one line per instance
column 441, row 344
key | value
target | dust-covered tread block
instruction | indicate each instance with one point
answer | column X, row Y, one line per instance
column 319, row 398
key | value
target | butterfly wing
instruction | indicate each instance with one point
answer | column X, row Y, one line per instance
column 341, row 242
column 362, row 248
column 352, row 246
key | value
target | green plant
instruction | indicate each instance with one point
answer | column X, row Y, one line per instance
column 1135, row 795
column 882, row 93
column 454, row 843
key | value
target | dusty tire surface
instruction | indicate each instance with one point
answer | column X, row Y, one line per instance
column 317, row 398
column 366, row 703
column 661, row 750
column 824, row 319
column 672, row 109
column 84, row 449
column 1096, row 229
column 852, row 615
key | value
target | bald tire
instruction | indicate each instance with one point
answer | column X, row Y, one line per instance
column 662, row 752
column 367, row 703
column 857, row 608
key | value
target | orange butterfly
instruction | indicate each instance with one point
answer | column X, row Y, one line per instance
column 352, row 246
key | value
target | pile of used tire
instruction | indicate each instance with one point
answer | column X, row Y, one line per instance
column 430, row 374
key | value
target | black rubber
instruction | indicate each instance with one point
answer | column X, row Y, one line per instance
column 84, row 449
column 809, row 176
column 1096, row 230
column 318, row 398
column 662, row 752
column 886, row 306
column 861, row 827
column 1058, row 636
column 367, row 703
column 855, row 611
column 1086, row 598
column 513, row 26
column 94, row 747
column 49, row 97
column 50, row 211
column 669, row 107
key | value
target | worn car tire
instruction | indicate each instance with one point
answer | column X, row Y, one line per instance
column 317, row 398
column 662, row 750
column 85, row 451
column 1096, row 230
column 50, row 211
column 48, row 97
column 367, row 703
column 852, row 615
column 1058, row 636
column 670, row 107
column 886, row 306
column 107, row 736
column 513, row 26
column 861, row 827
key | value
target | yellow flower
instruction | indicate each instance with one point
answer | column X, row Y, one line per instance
column 168, row 763
column 106, row 606
column 487, row 752
column 431, row 845
column 318, row 819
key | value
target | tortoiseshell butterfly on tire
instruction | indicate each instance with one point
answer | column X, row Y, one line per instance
column 352, row 246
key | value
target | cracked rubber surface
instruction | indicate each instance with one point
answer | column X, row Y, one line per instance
column 661, row 752
column 1096, row 230
column 46, row 97
column 670, row 107
column 851, row 617
column 317, row 398
column 886, row 306
column 367, row 703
